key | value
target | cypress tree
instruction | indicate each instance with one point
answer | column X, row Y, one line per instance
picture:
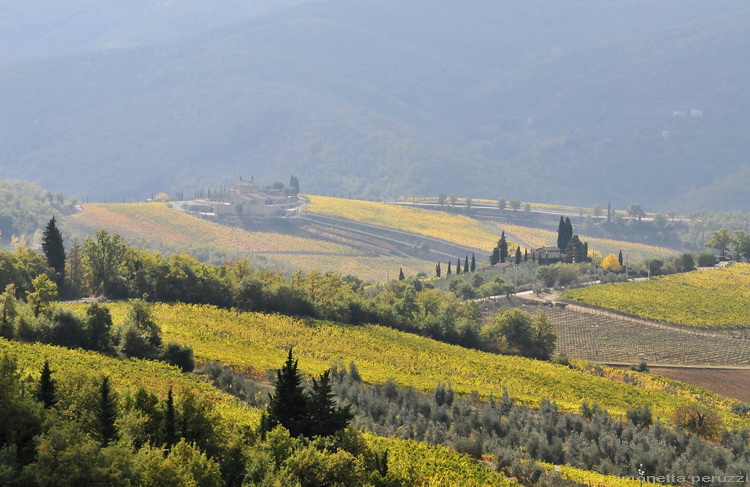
column 401, row 275
column 52, row 245
column 561, row 234
column 518, row 255
column 437, row 270
column 170, row 421
column 619, row 257
column 46, row 391
column 495, row 256
column 503, row 246
column 106, row 413
column 568, row 231
column 473, row 262
column 288, row 406
column 294, row 183
column 458, row 266
column 466, row 264
column 526, row 255
column 449, row 269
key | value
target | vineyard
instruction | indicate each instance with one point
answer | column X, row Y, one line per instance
column 605, row 337
column 125, row 375
column 438, row 465
column 367, row 268
column 157, row 225
column 593, row 479
column 413, row 462
column 454, row 228
column 158, row 222
column 536, row 237
column 717, row 298
column 257, row 343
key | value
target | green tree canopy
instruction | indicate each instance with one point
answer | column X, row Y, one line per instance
column 721, row 240
column 104, row 254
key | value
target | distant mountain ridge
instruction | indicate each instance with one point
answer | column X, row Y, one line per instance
column 579, row 102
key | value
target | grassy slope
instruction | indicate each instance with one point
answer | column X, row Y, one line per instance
column 157, row 226
column 711, row 298
column 257, row 343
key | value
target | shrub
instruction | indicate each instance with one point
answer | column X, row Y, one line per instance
column 179, row 355
column 706, row 259
column 698, row 420
column 641, row 416
column 641, row 366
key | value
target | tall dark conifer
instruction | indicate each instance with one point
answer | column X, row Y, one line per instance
column 619, row 258
column 437, row 270
column 561, row 233
column 401, row 275
column 495, row 256
column 289, row 404
column 46, row 391
column 518, row 255
column 106, row 414
column 458, row 266
column 502, row 245
column 294, row 183
column 52, row 245
column 473, row 262
column 169, row 426
column 466, row 264
column 326, row 416
column 449, row 269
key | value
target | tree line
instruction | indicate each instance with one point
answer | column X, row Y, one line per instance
column 105, row 265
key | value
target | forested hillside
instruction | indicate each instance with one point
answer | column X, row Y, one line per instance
column 584, row 103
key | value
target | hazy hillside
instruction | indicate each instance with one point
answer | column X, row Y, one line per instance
column 56, row 28
column 579, row 102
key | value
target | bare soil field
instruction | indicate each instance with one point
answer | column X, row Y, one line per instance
column 733, row 383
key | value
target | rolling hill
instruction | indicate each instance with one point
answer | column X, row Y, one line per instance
column 576, row 101
column 255, row 343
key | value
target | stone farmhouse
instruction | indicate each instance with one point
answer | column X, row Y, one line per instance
column 247, row 199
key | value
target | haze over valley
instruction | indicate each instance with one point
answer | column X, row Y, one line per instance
column 569, row 102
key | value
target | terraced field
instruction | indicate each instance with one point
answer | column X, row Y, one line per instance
column 156, row 225
column 716, row 298
column 258, row 342
column 157, row 222
column 450, row 227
